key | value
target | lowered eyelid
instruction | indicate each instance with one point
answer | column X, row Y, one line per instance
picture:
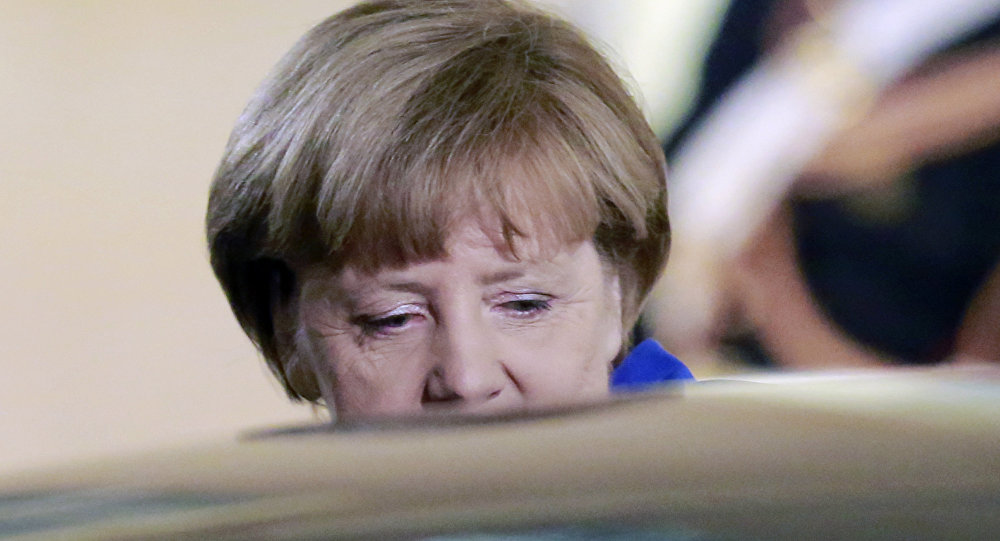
column 532, row 295
column 401, row 310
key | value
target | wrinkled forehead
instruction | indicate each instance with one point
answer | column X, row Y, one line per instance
column 522, row 208
column 477, row 238
column 481, row 229
column 535, row 242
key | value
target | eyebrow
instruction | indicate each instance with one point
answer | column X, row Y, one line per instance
column 486, row 280
column 408, row 287
column 500, row 276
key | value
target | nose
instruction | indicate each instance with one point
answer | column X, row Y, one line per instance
column 468, row 373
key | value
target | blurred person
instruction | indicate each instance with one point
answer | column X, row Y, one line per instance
column 886, row 251
column 443, row 205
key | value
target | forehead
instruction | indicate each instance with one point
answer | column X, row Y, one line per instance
column 482, row 243
column 528, row 199
column 534, row 242
column 474, row 255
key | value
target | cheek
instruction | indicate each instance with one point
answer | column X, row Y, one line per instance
column 609, row 332
column 569, row 356
column 381, row 379
column 596, row 341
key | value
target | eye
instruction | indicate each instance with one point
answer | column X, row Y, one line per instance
column 527, row 307
column 389, row 323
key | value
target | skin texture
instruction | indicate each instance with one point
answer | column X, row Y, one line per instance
column 478, row 331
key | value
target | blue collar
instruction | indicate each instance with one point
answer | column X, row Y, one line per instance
column 646, row 365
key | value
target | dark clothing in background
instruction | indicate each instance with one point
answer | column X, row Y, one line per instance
column 895, row 270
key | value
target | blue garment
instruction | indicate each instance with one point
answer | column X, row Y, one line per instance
column 648, row 364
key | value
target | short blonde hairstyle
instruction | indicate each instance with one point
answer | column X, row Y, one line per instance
column 388, row 122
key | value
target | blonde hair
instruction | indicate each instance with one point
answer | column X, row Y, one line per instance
column 388, row 122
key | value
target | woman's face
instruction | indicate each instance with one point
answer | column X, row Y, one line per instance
column 477, row 331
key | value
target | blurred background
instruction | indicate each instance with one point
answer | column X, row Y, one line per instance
column 114, row 336
column 834, row 196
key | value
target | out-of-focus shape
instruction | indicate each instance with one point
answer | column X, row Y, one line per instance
column 731, row 173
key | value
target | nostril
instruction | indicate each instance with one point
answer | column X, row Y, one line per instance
column 435, row 392
column 438, row 395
